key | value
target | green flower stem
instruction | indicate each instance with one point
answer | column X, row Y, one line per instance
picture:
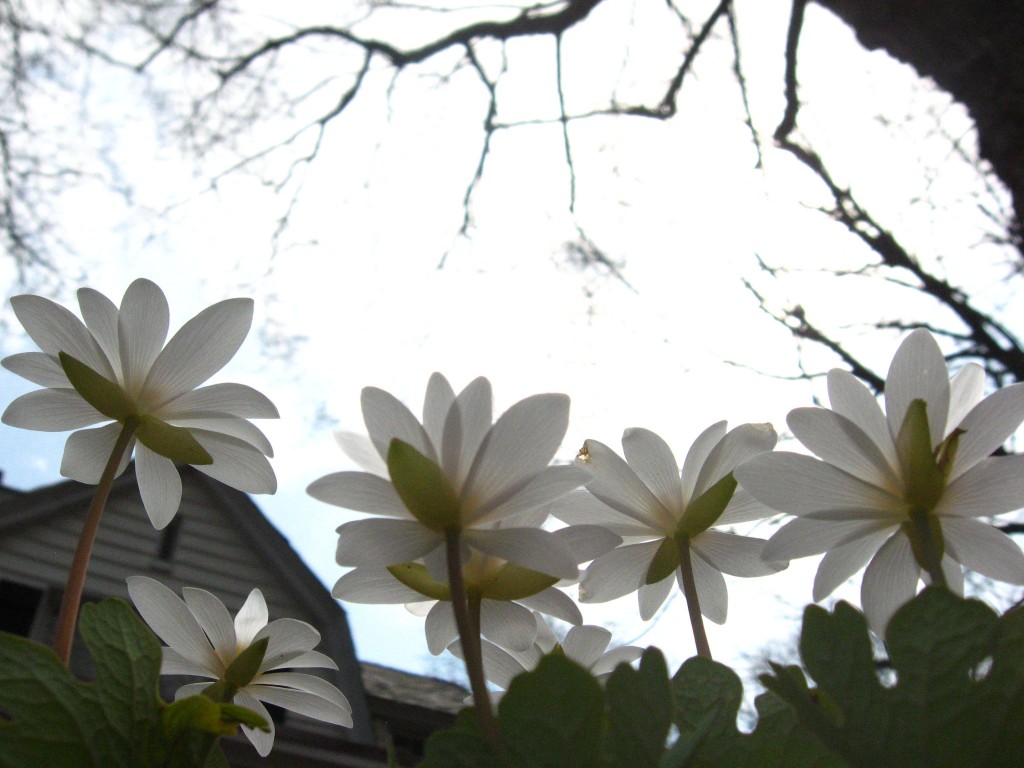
column 926, row 543
column 67, row 619
column 469, row 634
column 700, row 637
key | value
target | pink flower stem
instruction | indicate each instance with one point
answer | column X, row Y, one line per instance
column 67, row 619
column 700, row 637
column 469, row 634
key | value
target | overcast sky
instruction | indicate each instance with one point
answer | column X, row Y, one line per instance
column 356, row 283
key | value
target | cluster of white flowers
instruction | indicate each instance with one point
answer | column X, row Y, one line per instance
column 459, row 502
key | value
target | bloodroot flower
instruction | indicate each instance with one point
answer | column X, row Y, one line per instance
column 456, row 474
column 115, row 368
column 203, row 640
column 900, row 491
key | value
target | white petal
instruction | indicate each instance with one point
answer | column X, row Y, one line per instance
column 362, row 451
column 531, row 548
column 616, row 484
column 230, row 426
column 966, row 389
column 51, row 410
column 584, row 645
column 954, row 574
column 850, row 398
column 173, row 663
column 889, row 581
column 55, row 329
column 236, row 463
column 508, row 625
column 807, row 536
column 744, row 508
column 359, row 491
column 87, row 451
column 734, row 554
column 500, row 667
column 373, row 585
column 984, row 549
column 191, row 689
column 100, row 316
column 289, row 638
column 305, row 694
column 171, row 620
column 711, row 590
column 618, row 573
column 651, row 596
column 624, row 654
column 840, row 442
column 991, row 487
column 843, row 561
column 521, row 443
column 39, row 368
column 800, row 485
column 232, row 399
column 465, row 428
column 262, row 740
column 159, row 486
column 440, row 628
column 654, row 464
column 988, row 426
column 388, row 419
column 251, row 618
column 305, row 660
column 215, row 620
column 436, row 404
column 199, row 349
column 380, row 543
column 738, row 446
column 142, row 324
column 918, row 372
column 583, row 508
column 554, row 602
column 546, row 486
column 698, row 455
column 587, row 541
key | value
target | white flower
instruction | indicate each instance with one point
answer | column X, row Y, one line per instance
column 509, row 594
column 144, row 381
column 648, row 501
column 886, row 478
column 586, row 645
column 203, row 640
column 459, row 472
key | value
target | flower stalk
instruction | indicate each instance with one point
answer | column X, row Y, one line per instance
column 700, row 637
column 469, row 633
column 67, row 619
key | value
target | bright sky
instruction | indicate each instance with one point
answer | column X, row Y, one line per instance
column 680, row 203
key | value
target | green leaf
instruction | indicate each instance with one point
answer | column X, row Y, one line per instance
column 463, row 746
column 943, row 711
column 553, row 717
column 176, row 443
column 50, row 718
column 415, row 576
column 201, row 713
column 513, row 582
column 707, row 698
column 246, row 665
column 924, row 480
column 664, row 562
column 639, row 711
column 102, row 394
column 423, row 488
column 704, row 511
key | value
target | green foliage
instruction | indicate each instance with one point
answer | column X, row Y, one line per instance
column 958, row 699
column 423, row 487
column 51, row 718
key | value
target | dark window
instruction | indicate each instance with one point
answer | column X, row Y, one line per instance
column 18, row 607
